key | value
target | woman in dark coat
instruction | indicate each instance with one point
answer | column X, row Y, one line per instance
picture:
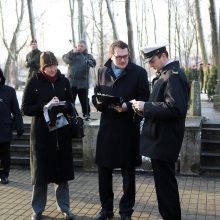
column 10, row 112
column 118, row 136
column 51, row 151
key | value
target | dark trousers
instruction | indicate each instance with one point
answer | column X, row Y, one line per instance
column 39, row 197
column 106, row 194
column 5, row 160
column 83, row 98
column 166, row 189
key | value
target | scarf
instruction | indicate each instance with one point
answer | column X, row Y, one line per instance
column 51, row 79
column 117, row 71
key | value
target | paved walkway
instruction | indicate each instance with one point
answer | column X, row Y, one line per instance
column 200, row 196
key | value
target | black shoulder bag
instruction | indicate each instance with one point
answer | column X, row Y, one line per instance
column 76, row 125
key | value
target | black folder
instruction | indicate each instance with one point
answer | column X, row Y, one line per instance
column 106, row 99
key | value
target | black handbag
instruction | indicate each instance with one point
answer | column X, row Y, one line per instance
column 76, row 126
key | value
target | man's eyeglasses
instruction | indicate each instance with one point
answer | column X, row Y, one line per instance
column 125, row 57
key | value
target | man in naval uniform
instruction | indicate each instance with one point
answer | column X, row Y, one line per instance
column 163, row 128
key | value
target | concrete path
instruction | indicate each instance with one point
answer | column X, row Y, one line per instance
column 200, row 197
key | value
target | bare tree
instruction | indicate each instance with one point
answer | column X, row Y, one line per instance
column 81, row 29
column 101, row 33
column 71, row 6
column 31, row 19
column 214, row 34
column 155, row 23
column 129, row 29
column 169, row 25
column 177, row 35
column 98, row 27
column 111, row 16
column 91, row 37
column 201, row 42
column 189, row 32
column 200, row 32
column 11, row 66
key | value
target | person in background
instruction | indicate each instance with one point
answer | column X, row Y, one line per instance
column 51, row 151
column 33, row 59
column 119, row 131
column 201, row 77
column 10, row 114
column 163, row 128
column 79, row 62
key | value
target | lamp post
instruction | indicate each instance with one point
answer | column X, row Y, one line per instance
column 216, row 97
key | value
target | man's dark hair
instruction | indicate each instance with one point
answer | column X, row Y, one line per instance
column 160, row 54
column 33, row 41
column 119, row 44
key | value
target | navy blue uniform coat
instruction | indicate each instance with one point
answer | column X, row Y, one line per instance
column 165, row 112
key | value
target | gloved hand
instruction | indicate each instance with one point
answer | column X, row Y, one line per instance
column 20, row 133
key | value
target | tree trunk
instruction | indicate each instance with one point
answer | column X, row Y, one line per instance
column 101, row 33
column 169, row 26
column 31, row 19
column 200, row 32
column 214, row 34
column 110, row 14
column 155, row 23
column 130, row 29
column 201, row 42
column 71, row 5
column 82, row 32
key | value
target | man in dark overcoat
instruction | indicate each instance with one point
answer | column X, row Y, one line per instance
column 163, row 128
column 10, row 115
column 118, row 135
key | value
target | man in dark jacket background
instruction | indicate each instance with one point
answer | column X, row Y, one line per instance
column 79, row 62
column 10, row 112
column 163, row 128
column 33, row 59
column 118, row 135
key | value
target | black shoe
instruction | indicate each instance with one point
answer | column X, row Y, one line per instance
column 86, row 117
column 68, row 215
column 104, row 215
column 36, row 216
column 4, row 180
column 125, row 217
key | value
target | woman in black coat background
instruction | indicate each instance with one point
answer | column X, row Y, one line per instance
column 10, row 112
column 51, row 151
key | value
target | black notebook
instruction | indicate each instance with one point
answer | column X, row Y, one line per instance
column 108, row 99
